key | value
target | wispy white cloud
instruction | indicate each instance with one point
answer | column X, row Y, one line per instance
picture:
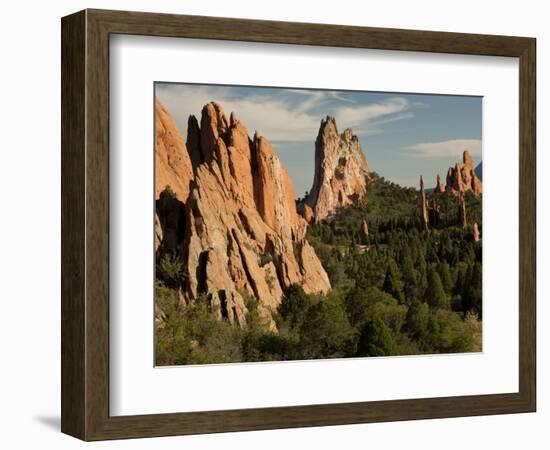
column 284, row 117
column 452, row 148
column 358, row 115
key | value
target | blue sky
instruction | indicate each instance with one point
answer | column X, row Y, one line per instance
column 402, row 135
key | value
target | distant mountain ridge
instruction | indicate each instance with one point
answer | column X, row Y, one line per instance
column 479, row 170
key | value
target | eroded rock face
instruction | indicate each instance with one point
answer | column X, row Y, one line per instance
column 462, row 177
column 241, row 232
column 424, row 218
column 439, row 188
column 172, row 163
column 341, row 170
column 306, row 212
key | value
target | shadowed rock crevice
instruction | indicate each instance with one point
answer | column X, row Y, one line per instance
column 170, row 223
column 223, row 304
column 201, row 272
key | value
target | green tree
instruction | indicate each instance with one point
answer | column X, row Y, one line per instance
column 327, row 332
column 446, row 278
column 192, row 334
column 410, row 277
column 294, row 306
column 472, row 292
column 170, row 270
column 357, row 304
column 417, row 320
column 360, row 304
column 448, row 333
column 435, row 294
column 375, row 339
column 168, row 192
column 392, row 282
column 422, row 268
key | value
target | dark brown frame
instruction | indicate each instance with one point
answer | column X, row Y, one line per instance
column 85, row 224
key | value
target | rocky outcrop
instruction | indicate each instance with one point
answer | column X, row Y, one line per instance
column 241, row 233
column 462, row 177
column 172, row 164
column 477, row 235
column 462, row 219
column 439, row 188
column 341, row 171
column 364, row 231
column 305, row 211
column 430, row 211
column 424, row 218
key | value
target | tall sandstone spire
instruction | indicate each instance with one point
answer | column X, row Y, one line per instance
column 341, row 172
column 240, row 231
column 172, row 164
column 439, row 188
column 424, row 218
column 462, row 219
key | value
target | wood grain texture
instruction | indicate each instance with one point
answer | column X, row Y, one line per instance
column 527, row 224
column 85, row 224
column 73, row 275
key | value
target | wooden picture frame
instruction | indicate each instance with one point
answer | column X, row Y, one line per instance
column 85, row 224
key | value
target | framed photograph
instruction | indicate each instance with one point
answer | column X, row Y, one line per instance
column 272, row 225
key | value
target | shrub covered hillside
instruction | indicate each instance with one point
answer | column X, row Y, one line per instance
column 396, row 290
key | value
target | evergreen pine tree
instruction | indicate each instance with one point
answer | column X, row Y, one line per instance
column 446, row 278
column 410, row 276
column 392, row 283
column 472, row 291
column 435, row 294
column 376, row 339
column 422, row 268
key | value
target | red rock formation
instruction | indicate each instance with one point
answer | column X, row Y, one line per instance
column 364, row 228
column 463, row 178
column 476, row 233
column 172, row 164
column 306, row 212
column 462, row 220
column 439, row 188
column 424, row 219
column 241, row 233
column 341, row 170
column 430, row 212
